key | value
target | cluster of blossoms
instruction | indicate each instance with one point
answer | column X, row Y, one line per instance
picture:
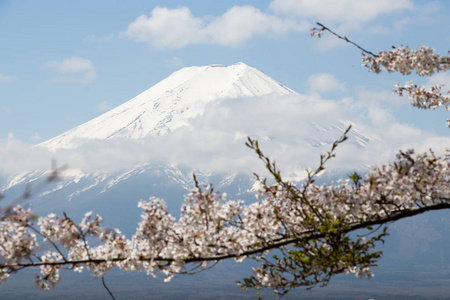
column 317, row 219
column 316, row 32
column 310, row 224
column 17, row 242
column 424, row 62
column 424, row 98
column 404, row 60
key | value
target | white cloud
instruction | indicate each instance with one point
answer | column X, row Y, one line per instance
column 166, row 28
column 375, row 108
column 104, row 106
column 18, row 157
column 342, row 11
column 35, row 137
column 240, row 23
column 438, row 79
column 176, row 28
column 325, row 82
column 343, row 16
column 6, row 78
column 215, row 141
column 74, row 69
column 174, row 62
column 293, row 130
column 72, row 65
column 402, row 23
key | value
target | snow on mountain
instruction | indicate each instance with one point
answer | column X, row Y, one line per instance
column 171, row 103
column 167, row 106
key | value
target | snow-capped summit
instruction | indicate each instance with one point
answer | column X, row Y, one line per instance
column 170, row 103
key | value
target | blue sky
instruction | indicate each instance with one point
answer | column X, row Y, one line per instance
column 66, row 62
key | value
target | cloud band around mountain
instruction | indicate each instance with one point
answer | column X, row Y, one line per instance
column 293, row 130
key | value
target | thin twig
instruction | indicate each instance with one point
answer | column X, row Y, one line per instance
column 46, row 238
column 346, row 39
column 82, row 234
column 104, row 284
column 31, row 190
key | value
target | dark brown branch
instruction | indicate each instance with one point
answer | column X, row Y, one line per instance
column 395, row 216
column 104, row 284
column 48, row 240
column 323, row 28
column 82, row 234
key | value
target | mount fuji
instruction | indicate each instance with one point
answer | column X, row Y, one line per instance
column 169, row 104
column 167, row 108
column 240, row 100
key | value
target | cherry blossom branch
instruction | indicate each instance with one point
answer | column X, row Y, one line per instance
column 211, row 229
column 305, row 237
column 404, row 60
column 424, row 98
column 49, row 240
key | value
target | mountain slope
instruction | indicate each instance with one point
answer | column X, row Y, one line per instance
column 170, row 103
column 162, row 111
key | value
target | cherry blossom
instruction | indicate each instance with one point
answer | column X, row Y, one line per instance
column 309, row 225
column 404, row 60
column 424, row 61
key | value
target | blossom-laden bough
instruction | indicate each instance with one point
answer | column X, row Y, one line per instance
column 424, row 61
column 301, row 236
column 310, row 227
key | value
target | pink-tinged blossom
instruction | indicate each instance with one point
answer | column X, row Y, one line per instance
column 424, row 61
column 212, row 228
column 424, row 98
column 405, row 60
